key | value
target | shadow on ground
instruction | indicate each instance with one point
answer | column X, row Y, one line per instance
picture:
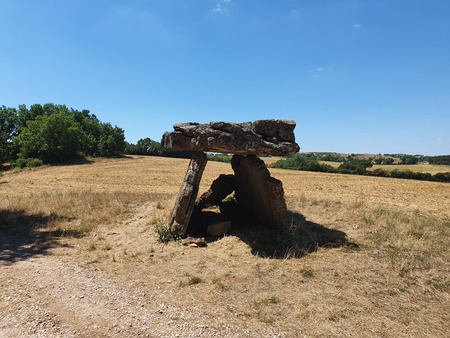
column 296, row 239
column 23, row 236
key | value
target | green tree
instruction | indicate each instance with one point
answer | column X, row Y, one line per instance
column 51, row 138
column 8, row 128
column 443, row 159
column 111, row 141
column 91, row 127
column 355, row 166
column 409, row 159
column 145, row 146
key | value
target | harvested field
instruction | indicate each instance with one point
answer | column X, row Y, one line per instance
column 80, row 257
column 420, row 168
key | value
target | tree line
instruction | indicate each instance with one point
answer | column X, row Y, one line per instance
column 383, row 159
column 53, row 133
column 309, row 162
column 149, row 147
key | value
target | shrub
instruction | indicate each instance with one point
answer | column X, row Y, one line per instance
column 163, row 231
column 219, row 158
column 27, row 163
column 302, row 162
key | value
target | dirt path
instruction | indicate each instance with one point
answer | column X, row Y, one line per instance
column 58, row 295
column 49, row 297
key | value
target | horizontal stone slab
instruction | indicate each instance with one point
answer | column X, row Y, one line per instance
column 272, row 137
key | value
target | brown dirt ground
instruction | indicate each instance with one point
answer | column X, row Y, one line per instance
column 114, row 279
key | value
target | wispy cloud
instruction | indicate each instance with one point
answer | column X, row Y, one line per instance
column 357, row 26
column 222, row 7
column 218, row 8
column 321, row 71
column 293, row 11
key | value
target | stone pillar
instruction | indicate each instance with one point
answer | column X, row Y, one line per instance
column 185, row 202
column 257, row 191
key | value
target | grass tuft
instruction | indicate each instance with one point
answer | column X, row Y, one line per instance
column 163, row 231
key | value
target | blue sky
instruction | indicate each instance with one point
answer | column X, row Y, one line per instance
column 358, row 76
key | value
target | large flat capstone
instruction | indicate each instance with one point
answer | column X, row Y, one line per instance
column 273, row 137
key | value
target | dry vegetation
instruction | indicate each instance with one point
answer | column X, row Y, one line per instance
column 86, row 236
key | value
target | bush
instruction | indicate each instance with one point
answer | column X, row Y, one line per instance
column 444, row 159
column 302, row 162
column 163, row 231
column 442, row 177
column 219, row 158
column 355, row 166
column 378, row 172
column 27, row 163
column 388, row 160
column 409, row 159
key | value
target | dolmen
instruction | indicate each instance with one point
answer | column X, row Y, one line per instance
column 255, row 190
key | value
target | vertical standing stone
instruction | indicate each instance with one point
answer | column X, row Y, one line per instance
column 257, row 191
column 185, row 202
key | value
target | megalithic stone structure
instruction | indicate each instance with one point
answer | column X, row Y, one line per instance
column 256, row 190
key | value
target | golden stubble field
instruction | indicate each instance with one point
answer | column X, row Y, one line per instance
column 80, row 257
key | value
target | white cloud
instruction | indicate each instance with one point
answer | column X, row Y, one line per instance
column 321, row 71
column 218, row 8
column 293, row 11
column 357, row 26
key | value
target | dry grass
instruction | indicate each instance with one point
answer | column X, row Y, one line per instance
column 331, row 163
column 271, row 159
column 392, row 280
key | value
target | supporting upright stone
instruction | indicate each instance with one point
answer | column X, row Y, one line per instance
column 185, row 202
column 257, row 191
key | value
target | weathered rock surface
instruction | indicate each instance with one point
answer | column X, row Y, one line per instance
column 220, row 189
column 274, row 137
column 194, row 242
column 184, row 205
column 257, row 191
column 218, row 228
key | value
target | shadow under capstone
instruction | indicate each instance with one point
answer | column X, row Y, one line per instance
column 296, row 239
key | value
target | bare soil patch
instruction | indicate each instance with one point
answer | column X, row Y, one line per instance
column 79, row 256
